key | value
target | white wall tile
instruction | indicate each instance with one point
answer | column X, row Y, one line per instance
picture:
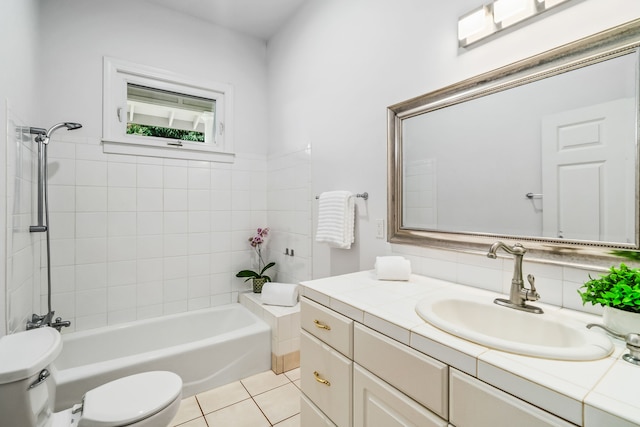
column 199, row 200
column 198, row 287
column 150, row 246
column 150, row 200
column 121, row 298
column 150, row 293
column 176, row 245
column 91, row 199
column 149, row 176
column 121, row 199
column 150, row 223
column 62, row 172
column 199, row 222
column 199, row 243
column 91, row 173
column 175, row 177
column 199, row 178
column 62, row 252
column 121, row 273
column 121, row 248
column 149, row 270
column 91, row 251
column 91, row 224
column 175, row 200
column 175, row 222
column 91, row 276
column 121, row 174
column 121, row 224
column 91, row 302
column 175, row 290
column 62, row 198
column 175, row 268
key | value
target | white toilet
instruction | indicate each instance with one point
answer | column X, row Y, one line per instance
column 28, row 388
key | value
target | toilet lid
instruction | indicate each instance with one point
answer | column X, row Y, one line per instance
column 130, row 399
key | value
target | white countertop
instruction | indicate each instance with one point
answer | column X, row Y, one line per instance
column 560, row 387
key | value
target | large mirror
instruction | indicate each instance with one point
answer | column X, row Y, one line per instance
column 544, row 150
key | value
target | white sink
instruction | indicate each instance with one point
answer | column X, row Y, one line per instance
column 540, row 335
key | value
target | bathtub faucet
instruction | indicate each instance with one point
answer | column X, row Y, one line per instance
column 40, row 321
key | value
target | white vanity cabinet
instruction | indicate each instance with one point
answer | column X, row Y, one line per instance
column 476, row 404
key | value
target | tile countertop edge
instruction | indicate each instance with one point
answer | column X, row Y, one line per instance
column 467, row 356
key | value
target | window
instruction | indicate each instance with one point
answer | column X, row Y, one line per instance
column 151, row 112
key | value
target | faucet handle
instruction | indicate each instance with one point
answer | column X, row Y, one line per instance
column 532, row 294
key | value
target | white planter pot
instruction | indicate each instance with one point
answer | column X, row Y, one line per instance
column 623, row 322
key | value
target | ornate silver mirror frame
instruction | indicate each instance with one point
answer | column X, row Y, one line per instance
column 618, row 41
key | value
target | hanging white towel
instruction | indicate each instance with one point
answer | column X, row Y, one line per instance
column 336, row 219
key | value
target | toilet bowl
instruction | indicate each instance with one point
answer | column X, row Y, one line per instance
column 27, row 390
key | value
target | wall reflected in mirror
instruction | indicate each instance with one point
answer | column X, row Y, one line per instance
column 555, row 158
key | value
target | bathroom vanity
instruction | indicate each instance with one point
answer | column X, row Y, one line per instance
column 367, row 359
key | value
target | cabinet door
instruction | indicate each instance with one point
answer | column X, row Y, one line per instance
column 474, row 403
column 326, row 379
column 310, row 416
column 377, row 404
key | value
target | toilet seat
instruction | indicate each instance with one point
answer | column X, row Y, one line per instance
column 130, row 399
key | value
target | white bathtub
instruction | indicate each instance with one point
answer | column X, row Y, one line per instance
column 207, row 348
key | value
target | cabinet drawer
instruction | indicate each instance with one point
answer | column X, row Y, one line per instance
column 415, row 374
column 311, row 416
column 477, row 404
column 326, row 379
column 377, row 404
column 327, row 325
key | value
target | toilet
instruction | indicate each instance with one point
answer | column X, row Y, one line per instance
column 28, row 387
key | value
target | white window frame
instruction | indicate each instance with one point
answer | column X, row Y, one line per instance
column 118, row 73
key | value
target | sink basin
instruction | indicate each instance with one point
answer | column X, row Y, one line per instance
column 544, row 335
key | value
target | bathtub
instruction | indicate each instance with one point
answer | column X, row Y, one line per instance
column 207, row 348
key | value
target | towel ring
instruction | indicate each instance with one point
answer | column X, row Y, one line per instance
column 364, row 196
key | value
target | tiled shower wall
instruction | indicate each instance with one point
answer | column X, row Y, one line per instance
column 289, row 199
column 22, row 247
column 136, row 237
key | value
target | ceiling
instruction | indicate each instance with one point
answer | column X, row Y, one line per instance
column 258, row 18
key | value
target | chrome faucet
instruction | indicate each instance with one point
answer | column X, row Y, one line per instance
column 518, row 294
column 40, row 321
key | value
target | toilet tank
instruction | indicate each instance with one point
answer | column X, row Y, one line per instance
column 27, row 383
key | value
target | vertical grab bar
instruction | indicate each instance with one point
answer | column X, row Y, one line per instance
column 42, row 158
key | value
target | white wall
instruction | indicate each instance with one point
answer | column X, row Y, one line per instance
column 136, row 237
column 339, row 64
column 19, row 69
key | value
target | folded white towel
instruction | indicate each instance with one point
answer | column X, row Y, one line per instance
column 285, row 294
column 336, row 218
column 393, row 268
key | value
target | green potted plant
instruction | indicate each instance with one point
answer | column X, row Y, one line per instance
column 619, row 293
column 258, row 278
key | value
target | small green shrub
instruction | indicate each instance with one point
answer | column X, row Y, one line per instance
column 620, row 289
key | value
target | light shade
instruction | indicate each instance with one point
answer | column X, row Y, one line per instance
column 498, row 15
column 474, row 23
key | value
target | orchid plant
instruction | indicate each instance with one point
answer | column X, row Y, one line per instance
column 256, row 243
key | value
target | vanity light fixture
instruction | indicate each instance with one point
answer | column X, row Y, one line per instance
column 498, row 15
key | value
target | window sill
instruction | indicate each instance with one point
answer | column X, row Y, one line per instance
column 169, row 152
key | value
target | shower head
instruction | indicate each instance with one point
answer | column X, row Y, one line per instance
column 45, row 139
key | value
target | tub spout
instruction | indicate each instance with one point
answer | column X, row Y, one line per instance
column 59, row 324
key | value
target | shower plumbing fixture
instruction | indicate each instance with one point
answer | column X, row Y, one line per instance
column 42, row 138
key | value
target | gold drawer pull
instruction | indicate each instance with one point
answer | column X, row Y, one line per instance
column 321, row 380
column 321, row 325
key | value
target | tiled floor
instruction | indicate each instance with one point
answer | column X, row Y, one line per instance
column 263, row 400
